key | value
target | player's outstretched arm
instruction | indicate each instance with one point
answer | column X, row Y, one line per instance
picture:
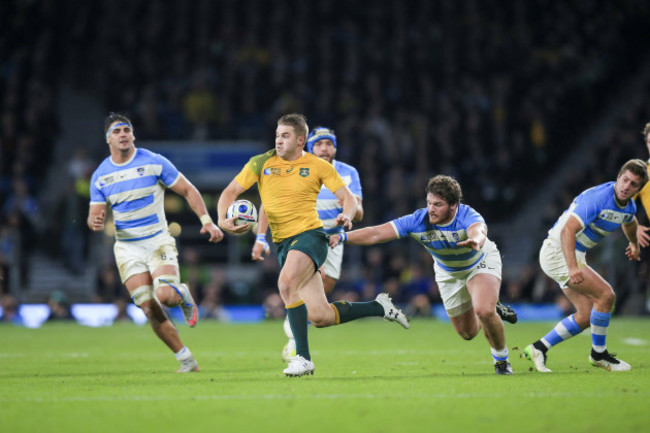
column 230, row 194
column 642, row 235
column 476, row 237
column 630, row 230
column 568, row 241
column 349, row 207
column 261, row 245
column 366, row 236
column 96, row 217
column 185, row 188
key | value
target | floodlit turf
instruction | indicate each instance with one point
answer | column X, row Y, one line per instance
column 371, row 376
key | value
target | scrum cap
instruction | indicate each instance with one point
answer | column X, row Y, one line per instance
column 320, row 133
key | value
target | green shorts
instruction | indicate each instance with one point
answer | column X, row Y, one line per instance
column 314, row 243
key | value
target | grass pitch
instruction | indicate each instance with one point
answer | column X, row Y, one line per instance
column 371, row 376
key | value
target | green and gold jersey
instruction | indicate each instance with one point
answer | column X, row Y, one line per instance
column 289, row 189
column 644, row 195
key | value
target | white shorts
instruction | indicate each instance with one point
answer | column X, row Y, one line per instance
column 332, row 265
column 146, row 255
column 453, row 285
column 553, row 263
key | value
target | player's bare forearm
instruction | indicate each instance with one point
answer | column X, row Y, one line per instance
column 262, row 221
column 476, row 236
column 630, row 231
column 230, row 194
column 192, row 195
column 568, row 240
column 96, row 217
column 358, row 216
column 372, row 235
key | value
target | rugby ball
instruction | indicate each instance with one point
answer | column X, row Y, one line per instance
column 243, row 211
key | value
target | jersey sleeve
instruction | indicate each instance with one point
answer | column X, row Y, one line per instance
column 169, row 174
column 588, row 207
column 246, row 177
column 472, row 217
column 355, row 185
column 96, row 195
column 405, row 225
column 331, row 179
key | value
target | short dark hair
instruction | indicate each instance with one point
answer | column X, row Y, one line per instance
column 113, row 117
column 637, row 167
column 445, row 187
column 297, row 121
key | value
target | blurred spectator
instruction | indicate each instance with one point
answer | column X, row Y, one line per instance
column 59, row 306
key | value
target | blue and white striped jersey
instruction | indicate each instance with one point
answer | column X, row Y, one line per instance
column 327, row 204
column 599, row 214
column 135, row 191
column 441, row 240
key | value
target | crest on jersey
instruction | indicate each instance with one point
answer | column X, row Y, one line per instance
column 304, row 172
column 140, row 171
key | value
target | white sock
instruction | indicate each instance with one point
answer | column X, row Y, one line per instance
column 184, row 354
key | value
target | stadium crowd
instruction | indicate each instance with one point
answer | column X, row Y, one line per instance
column 492, row 94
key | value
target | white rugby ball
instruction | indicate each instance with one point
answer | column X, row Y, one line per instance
column 243, row 211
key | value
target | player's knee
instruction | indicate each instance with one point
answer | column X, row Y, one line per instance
column 142, row 295
column 467, row 335
column 164, row 290
column 608, row 298
column 322, row 319
column 484, row 314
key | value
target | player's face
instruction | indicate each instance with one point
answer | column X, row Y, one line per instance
column 324, row 149
column 121, row 138
column 440, row 212
column 287, row 144
column 627, row 184
column 647, row 141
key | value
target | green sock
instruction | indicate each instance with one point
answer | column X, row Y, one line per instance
column 348, row 311
column 298, row 322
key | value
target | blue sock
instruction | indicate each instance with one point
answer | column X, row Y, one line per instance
column 599, row 324
column 564, row 330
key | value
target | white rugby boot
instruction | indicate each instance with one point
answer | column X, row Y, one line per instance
column 391, row 312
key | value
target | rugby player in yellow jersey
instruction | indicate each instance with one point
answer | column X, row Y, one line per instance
column 642, row 232
column 289, row 180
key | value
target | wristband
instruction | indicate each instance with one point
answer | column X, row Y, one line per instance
column 261, row 238
column 343, row 236
column 205, row 219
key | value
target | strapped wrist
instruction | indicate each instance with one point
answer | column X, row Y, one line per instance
column 205, row 219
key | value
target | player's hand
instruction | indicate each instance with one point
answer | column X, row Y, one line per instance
column 576, row 276
column 259, row 247
column 98, row 221
column 216, row 235
column 335, row 240
column 343, row 220
column 643, row 236
column 633, row 252
column 228, row 225
column 470, row 243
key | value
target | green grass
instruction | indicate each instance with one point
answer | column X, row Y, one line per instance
column 371, row 376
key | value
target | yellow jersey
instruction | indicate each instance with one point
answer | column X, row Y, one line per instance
column 644, row 195
column 288, row 190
